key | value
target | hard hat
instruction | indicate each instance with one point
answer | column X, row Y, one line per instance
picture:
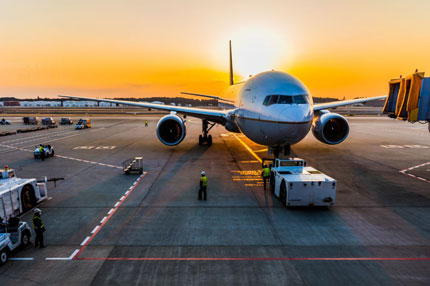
column 36, row 210
column 203, row 173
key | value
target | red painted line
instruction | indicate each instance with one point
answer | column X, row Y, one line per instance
column 258, row 258
column 108, row 218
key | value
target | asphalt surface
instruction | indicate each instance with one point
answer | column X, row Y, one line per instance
column 108, row 228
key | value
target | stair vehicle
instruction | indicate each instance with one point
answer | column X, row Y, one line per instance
column 18, row 195
column 13, row 235
column 296, row 184
column 48, row 149
column 83, row 123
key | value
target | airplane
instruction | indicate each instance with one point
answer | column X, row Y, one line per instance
column 274, row 109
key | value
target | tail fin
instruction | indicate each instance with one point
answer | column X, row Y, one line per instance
column 231, row 64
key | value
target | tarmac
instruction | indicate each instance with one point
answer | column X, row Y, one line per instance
column 108, row 228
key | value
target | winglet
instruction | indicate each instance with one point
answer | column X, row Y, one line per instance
column 231, row 64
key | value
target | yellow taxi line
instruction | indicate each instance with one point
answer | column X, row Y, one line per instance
column 247, row 148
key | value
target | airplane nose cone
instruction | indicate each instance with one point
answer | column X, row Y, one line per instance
column 296, row 113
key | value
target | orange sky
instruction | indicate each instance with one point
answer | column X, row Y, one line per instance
column 159, row 48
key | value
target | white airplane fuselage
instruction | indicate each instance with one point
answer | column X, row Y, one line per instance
column 274, row 108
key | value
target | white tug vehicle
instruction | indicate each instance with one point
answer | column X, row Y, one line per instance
column 295, row 184
column 19, row 195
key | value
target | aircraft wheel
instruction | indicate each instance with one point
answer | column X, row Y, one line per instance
column 209, row 140
column 3, row 256
column 53, row 153
column 200, row 140
column 283, row 194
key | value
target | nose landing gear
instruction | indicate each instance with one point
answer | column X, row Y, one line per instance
column 205, row 138
column 277, row 149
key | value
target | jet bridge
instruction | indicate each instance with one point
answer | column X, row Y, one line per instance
column 409, row 98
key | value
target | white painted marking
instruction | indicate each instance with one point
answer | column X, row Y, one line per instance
column 109, row 212
column 126, row 193
column 122, row 198
column 103, row 220
column 64, row 258
column 21, row 258
column 85, row 240
column 115, row 205
column 95, row 229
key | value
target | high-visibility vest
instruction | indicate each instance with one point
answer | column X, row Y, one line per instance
column 37, row 221
column 41, row 149
column 266, row 172
column 204, row 181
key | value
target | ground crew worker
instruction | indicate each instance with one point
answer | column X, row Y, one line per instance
column 265, row 174
column 203, row 185
column 146, row 123
column 42, row 152
column 39, row 228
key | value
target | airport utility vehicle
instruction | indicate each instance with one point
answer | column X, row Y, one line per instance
column 13, row 235
column 48, row 151
column 66, row 121
column 296, row 184
column 48, row 121
column 5, row 122
column 30, row 120
column 18, row 195
column 83, row 123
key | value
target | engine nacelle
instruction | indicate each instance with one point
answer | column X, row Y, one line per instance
column 330, row 128
column 171, row 130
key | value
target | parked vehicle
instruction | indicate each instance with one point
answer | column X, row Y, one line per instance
column 18, row 195
column 13, row 235
column 66, row 121
column 48, row 121
column 48, row 149
column 5, row 122
column 296, row 184
column 31, row 120
column 83, row 123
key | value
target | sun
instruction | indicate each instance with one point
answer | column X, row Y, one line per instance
column 257, row 49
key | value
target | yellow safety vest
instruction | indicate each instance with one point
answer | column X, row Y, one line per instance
column 35, row 223
column 266, row 172
column 204, row 181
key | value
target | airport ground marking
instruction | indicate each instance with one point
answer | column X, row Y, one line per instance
column 21, row 258
column 249, row 149
column 405, row 172
column 112, row 211
column 255, row 258
column 63, row 258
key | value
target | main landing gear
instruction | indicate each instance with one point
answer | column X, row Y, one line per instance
column 276, row 150
column 205, row 138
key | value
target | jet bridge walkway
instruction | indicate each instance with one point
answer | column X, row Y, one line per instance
column 409, row 98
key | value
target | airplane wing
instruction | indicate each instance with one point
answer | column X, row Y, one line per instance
column 334, row 104
column 217, row 116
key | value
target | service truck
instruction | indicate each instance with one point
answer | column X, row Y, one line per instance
column 296, row 184
column 19, row 195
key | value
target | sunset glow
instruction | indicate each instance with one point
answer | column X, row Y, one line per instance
column 159, row 48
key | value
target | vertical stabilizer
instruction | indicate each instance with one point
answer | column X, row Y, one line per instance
column 231, row 64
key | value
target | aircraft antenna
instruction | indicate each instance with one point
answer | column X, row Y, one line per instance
column 231, row 64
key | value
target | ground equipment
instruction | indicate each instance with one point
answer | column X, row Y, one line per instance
column 48, row 151
column 19, row 195
column 83, row 123
column 13, row 235
column 296, row 184
column 134, row 165
column 5, row 122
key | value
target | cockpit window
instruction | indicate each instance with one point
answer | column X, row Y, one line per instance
column 273, row 99
column 285, row 99
column 300, row 99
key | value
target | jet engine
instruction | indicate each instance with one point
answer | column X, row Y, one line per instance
column 171, row 130
column 330, row 128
